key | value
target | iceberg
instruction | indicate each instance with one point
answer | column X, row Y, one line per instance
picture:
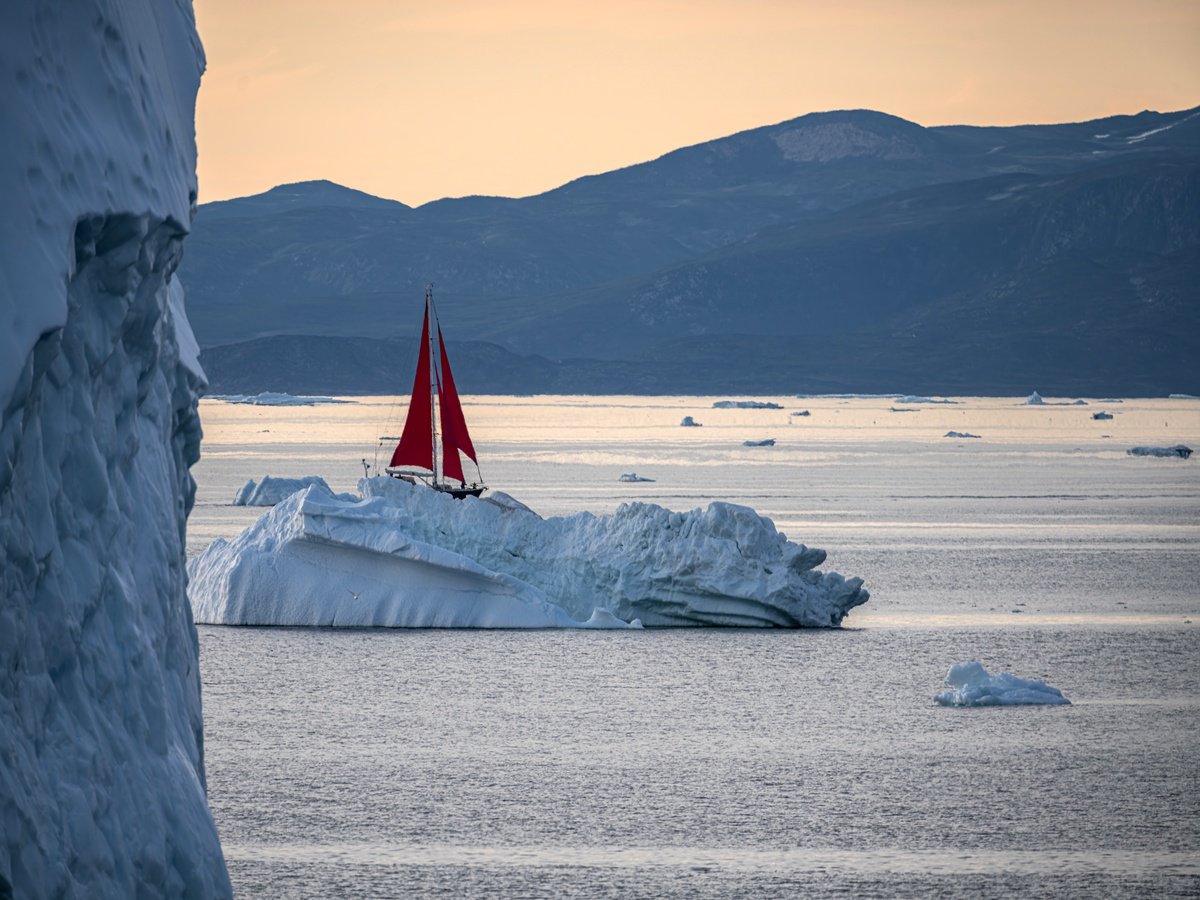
column 632, row 477
column 1179, row 450
column 689, row 422
column 406, row 556
column 745, row 404
column 972, row 685
column 911, row 398
column 801, row 412
column 1036, row 399
column 766, row 442
column 960, row 434
column 102, row 784
column 1101, row 416
column 271, row 490
column 270, row 398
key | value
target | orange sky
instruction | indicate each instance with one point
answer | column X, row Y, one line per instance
column 421, row 100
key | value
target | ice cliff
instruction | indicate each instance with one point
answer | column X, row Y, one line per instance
column 409, row 556
column 102, row 790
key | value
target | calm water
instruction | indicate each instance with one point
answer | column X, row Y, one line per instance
column 723, row 763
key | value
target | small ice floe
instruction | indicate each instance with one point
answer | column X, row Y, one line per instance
column 1101, row 416
column 745, row 404
column 270, row 490
column 902, row 409
column 689, row 422
column 960, row 434
column 1182, row 397
column 633, row 476
column 767, row 442
column 974, row 686
column 270, row 398
column 1178, row 450
column 912, row 398
column 1036, row 399
column 801, row 412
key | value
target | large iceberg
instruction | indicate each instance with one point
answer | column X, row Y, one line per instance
column 102, row 790
column 972, row 685
column 409, row 556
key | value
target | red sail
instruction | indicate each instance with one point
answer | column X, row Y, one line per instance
column 454, row 427
column 416, row 441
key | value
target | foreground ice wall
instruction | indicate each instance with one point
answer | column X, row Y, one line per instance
column 102, row 790
column 412, row 557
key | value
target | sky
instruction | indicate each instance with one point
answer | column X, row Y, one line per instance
column 420, row 100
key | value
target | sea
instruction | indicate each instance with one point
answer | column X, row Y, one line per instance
column 699, row 763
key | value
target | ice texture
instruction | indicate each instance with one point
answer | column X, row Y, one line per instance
column 271, row 490
column 745, row 404
column 413, row 557
column 271, row 398
column 102, row 789
column 1179, row 450
column 974, row 686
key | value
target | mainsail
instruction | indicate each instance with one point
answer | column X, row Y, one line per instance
column 416, row 441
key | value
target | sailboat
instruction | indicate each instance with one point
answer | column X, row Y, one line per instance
column 419, row 440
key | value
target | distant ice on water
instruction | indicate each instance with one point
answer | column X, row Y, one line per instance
column 973, row 685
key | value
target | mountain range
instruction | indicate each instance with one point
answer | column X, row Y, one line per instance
column 840, row 251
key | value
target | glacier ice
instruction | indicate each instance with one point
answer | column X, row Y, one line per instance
column 1179, row 450
column 102, row 788
column 412, row 557
column 272, row 490
column 913, row 398
column 973, row 685
column 272, row 398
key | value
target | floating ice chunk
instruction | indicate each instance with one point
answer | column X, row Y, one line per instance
column 271, row 490
column 1178, row 450
column 902, row 409
column 1182, row 397
column 766, row 442
column 801, row 412
column 1036, row 399
column 408, row 556
column 974, row 686
column 633, row 476
column 960, row 434
column 270, row 398
column 689, row 422
column 914, row 399
column 1101, row 416
column 745, row 404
